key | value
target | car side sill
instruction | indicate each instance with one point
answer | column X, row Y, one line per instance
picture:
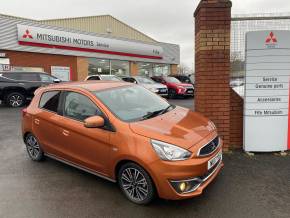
column 79, row 167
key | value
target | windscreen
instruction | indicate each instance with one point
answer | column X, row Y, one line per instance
column 132, row 103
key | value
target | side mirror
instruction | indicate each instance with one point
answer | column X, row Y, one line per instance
column 56, row 80
column 94, row 122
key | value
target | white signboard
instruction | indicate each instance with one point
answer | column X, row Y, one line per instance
column 5, row 67
column 266, row 101
column 49, row 38
column 62, row 73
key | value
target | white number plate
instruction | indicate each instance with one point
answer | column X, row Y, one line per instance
column 214, row 160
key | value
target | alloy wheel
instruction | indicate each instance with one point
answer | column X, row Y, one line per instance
column 32, row 147
column 134, row 184
column 15, row 100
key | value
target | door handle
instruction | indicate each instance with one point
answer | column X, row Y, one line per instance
column 65, row 133
column 36, row 121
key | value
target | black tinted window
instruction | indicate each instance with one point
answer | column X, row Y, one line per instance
column 22, row 76
column 15, row 76
column 79, row 107
column 130, row 80
column 29, row 76
column 46, row 78
column 50, row 100
column 94, row 78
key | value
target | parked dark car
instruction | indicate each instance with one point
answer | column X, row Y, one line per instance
column 184, row 79
column 18, row 87
column 175, row 87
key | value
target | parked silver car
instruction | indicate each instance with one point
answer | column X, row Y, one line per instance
column 103, row 77
column 148, row 83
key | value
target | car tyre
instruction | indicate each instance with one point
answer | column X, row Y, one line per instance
column 171, row 93
column 15, row 99
column 136, row 183
column 33, row 148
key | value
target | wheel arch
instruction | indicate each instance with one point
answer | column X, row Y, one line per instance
column 11, row 89
column 25, row 134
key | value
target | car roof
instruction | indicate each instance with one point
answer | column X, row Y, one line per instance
column 88, row 85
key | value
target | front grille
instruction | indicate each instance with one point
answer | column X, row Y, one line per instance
column 162, row 91
column 210, row 147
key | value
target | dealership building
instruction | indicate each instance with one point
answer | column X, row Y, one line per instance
column 74, row 48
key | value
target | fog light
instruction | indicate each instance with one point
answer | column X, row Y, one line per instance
column 186, row 186
column 182, row 186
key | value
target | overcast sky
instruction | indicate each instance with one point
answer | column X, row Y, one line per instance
column 164, row 20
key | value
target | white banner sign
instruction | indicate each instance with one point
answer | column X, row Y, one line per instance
column 5, row 67
column 266, row 102
column 49, row 38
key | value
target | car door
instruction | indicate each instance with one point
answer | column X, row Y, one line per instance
column 87, row 147
column 46, row 123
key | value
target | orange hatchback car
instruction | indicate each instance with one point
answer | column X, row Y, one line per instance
column 126, row 134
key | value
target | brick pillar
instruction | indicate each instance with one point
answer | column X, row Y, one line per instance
column 133, row 68
column 82, row 68
column 173, row 69
column 212, row 63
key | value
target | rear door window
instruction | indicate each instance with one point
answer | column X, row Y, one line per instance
column 30, row 77
column 46, row 78
column 50, row 100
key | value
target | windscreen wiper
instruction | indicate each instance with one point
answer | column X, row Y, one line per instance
column 166, row 109
column 151, row 114
column 155, row 113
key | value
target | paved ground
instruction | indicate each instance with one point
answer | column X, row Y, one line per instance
column 256, row 186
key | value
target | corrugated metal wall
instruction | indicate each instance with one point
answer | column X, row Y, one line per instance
column 105, row 24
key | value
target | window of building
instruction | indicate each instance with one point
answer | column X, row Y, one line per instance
column 109, row 67
column 145, row 69
column 99, row 66
column 49, row 101
column 149, row 69
column 161, row 69
column 120, row 68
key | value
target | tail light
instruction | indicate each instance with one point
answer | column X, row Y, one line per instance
column 24, row 112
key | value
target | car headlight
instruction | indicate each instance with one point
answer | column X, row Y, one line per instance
column 153, row 90
column 170, row 152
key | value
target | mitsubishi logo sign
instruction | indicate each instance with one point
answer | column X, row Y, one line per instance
column 271, row 38
column 64, row 40
column 27, row 35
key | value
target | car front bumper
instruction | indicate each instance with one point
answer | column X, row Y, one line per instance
column 166, row 172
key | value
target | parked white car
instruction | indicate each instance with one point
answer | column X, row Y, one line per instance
column 103, row 77
column 148, row 83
